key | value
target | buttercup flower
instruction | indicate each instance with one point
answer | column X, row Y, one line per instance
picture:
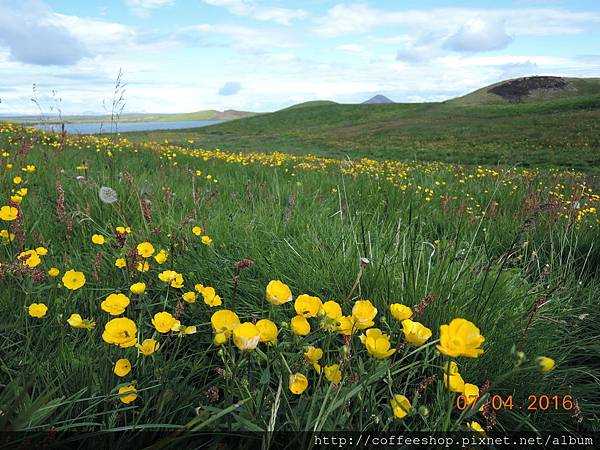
column 475, row 427
column 148, row 346
column 8, row 213
column 98, row 239
column 377, row 343
column 167, row 276
column 363, row 313
column 163, row 322
column 471, row 393
column 122, row 367
column 145, row 249
column 115, row 304
column 298, row 383
column 224, row 321
column 333, row 373
column 127, row 394
column 29, row 258
column 42, row 251
column 138, row 288
column 460, row 338
column 209, row 295
column 206, row 240
column 332, row 310
column 120, row 263
column 345, row 325
column 400, row 312
column 197, row 230
column 307, row 305
column 73, row 280
column 278, row 293
column 300, row 326
column 220, row 339
column 189, row 297
column 53, row 272
column 246, row 336
column 400, row 406
column 177, row 283
column 454, row 382
column 37, row 310
column 143, row 266
column 313, row 355
column 268, row 331
column 545, row 363
column 121, row 331
column 415, row 332
column 161, row 257
column 76, row 321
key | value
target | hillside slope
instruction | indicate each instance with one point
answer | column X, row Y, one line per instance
column 562, row 132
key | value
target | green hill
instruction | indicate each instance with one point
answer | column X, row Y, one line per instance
column 531, row 90
column 563, row 132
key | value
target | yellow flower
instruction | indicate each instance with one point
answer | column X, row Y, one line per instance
column 300, row 326
column 137, row 288
column 161, row 257
column 177, row 282
column 377, row 343
column 545, row 363
column 307, row 305
column 278, row 293
column 125, row 397
column 190, row 297
column 122, row 367
column 143, row 266
column 37, row 310
column 123, row 230
column 220, row 339
column 206, row 240
column 163, row 322
column 454, row 382
column 98, row 239
column 145, row 249
column 400, row 312
column 148, row 347
column 42, row 251
column 415, row 332
column 333, row 373
column 8, row 213
column 120, row 263
column 298, row 383
column 224, row 321
column 313, row 355
column 29, row 258
column 345, row 325
column 268, row 331
column 4, row 234
column 167, row 276
column 400, row 406
column 53, row 272
column 115, row 304
column 363, row 313
column 471, row 393
column 73, row 280
column 209, row 295
column 17, row 180
column 121, row 331
column 76, row 321
column 332, row 310
column 460, row 338
column 197, row 230
column 475, row 427
column 16, row 198
column 246, row 336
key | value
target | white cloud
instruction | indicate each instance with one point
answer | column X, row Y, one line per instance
column 143, row 7
column 477, row 35
column 351, row 48
column 251, row 8
column 241, row 37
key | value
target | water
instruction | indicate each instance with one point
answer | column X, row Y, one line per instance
column 97, row 127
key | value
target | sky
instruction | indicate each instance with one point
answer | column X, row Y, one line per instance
column 263, row 55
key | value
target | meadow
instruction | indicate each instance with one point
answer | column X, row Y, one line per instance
column 158, row 286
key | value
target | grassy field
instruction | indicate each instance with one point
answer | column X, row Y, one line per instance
column 558, row 133
column 513, row 251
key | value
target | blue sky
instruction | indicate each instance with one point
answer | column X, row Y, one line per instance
column 262, row 55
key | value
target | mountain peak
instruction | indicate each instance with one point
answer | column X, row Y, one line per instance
column 378, row 99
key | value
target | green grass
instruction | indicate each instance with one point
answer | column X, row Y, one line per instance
column 306, row 222
column 557, row 133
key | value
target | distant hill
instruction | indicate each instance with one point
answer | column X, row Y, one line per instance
column 206, row 115
column 310, row 104
column 377, row 99
column 530, row 90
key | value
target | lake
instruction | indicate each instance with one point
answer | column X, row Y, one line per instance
column 92, row 128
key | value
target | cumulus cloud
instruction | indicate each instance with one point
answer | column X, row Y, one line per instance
column 143, row 7
column 31, row 40
column 230, row 88
column 250, row 8
column 240, row 37
column 479, row 35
